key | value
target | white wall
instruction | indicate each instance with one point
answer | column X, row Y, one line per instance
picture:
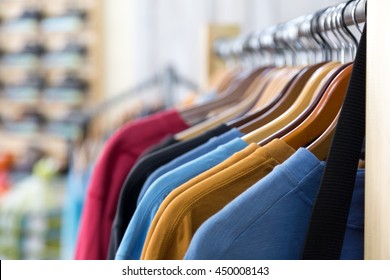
column 118, row 43
column 143, row 36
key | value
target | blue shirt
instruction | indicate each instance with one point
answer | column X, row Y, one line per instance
column 76, row 188
column 210, row 145
column 136, row 232
column 270, row 220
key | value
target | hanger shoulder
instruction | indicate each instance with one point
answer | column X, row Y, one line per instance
column 221, row 81
column 304, row 99
column 252, row 94
column 231, row 95
column 292, row 92
column 324, row 113
column 238, row 122
column 306, row 113
column 320, row 147
column 275, row 89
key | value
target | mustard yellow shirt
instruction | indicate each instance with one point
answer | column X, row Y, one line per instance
column 192, row 204
column 203, row 176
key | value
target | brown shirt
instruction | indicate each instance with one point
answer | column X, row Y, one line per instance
column 203, row 176
column 187, row 211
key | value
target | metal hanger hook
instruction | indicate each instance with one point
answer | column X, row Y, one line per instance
column 354, row 12
column 317, row 33
column 324, row 21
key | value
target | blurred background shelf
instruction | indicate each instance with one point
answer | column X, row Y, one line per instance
column 17, row 143
column 57, row 41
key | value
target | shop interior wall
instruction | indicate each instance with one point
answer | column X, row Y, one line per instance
column 144, row 36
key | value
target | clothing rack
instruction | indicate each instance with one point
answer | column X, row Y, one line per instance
column 169, row 79
column 311, row 32
column 377, row 191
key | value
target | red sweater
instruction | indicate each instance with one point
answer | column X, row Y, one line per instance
column 117, row 159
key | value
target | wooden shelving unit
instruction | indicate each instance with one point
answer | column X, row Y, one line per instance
column 53, row 38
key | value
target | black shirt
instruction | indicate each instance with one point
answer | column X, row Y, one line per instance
column 136, row 178
column 166, row 142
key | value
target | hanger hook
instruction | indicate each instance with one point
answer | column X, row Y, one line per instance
column 339, row 30
column 240, row 51
column 333, row 27
column 335, row 38
column 349, row 39
column 321, row 27
column 316, row 45
column 222, row 50
column 327, row 49
column 231, row 60
column 324, row 21
column 245, row 55
column 351, row 46
column 267, row 41
column 249, row 57
column 274, row 45
column 282, row 44
column 262, row 54
column 303, row 41
column 292, row 39
column 354, row 12
column 348, row 31
column 309, row 31
column 254, row 49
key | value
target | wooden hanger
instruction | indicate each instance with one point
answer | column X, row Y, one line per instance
column 306, row 113
column 251, row 96
column 275, row 88
column 286, row 98
column 324, row 113
column 276, row 81
column 255, row 87
column 320, row 147
column 223, row 79
column 292, row 92
column 304, row 99
column 231, row 95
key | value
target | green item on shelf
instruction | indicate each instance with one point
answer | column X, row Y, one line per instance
column 46, row 169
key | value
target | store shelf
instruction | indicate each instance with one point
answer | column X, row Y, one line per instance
column 88, row 33
column 17, row 144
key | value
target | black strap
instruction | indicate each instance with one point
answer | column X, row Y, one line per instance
column 330, row 215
